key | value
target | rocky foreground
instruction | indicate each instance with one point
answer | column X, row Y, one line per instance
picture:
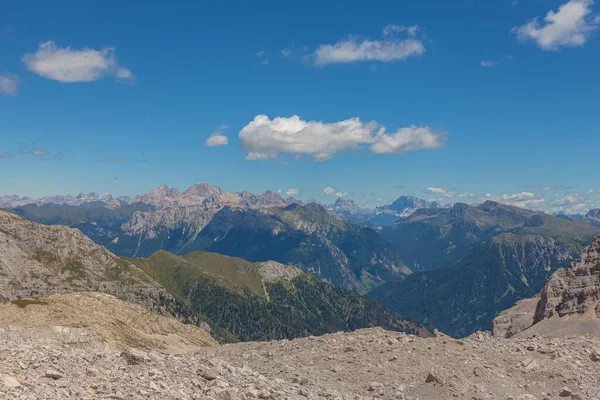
column 73, row 363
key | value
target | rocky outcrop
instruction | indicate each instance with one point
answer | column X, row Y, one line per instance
column 272, row 271
column 38, row 260
column 568, row 304
column 516, row 319
column 574, row 290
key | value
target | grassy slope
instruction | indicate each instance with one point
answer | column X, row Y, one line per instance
column 228, row 292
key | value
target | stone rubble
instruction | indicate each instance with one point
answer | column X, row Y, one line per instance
column 366, row 364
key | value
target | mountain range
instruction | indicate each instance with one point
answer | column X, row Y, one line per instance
column 452, row 268
column 476, row 262
column 254, row 227
column 232, row 298
column 384, row 215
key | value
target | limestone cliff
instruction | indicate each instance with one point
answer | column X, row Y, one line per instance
column 568, row 304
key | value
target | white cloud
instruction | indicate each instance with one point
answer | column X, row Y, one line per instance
column 329, row 191
column 217, row 138
column 398, row 43
column 571, row 26
column 440, row 191
column 489, row 64
column 409, row 139
column 514, row 196
column 522, row 199
column 264, row 138
column 8, row 85
column 286, row 52
column 575, row 203
column 262, row 57
column 292, row 192
column 392, row 29
column 64, row 64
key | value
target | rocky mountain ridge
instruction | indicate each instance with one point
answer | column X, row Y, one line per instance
column 384, row 215
column 233, row 298
column 38, row 260
column 303, row 235
column 105, row 199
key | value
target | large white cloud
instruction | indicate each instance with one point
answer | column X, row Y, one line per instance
column 64, row 64
column 8, row 85
column 571, row 25
column 398, row 43
column 265, row 138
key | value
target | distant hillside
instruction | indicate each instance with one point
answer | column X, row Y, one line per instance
column 263, row 301
column 491, row 256
column 432, row 238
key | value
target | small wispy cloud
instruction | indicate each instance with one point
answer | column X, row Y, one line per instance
column 217, row 138
column 64, row 64
column 113, row 160
column 286, row 52
column 292, row 192
column 329, row 191
column 262, row 57
column 489, row 64
column 9, row 84
column 398, row 43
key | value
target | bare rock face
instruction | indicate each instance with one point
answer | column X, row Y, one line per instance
column 516, row 319
column 569, row 304
column 272, row 271
column 574, row 290
column 38, row 260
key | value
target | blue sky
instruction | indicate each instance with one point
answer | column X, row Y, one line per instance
column 478, row 98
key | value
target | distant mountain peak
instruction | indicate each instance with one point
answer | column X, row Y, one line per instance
column 403, row 206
